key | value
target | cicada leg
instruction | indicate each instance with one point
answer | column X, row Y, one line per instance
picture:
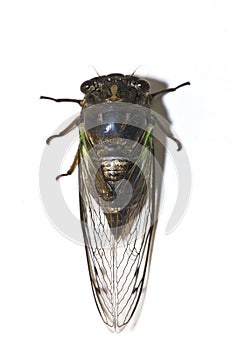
column 73, row 124
column 61, row 99
column 154, row 94
column 167, row 132
column 68, row 129
column 73, row 166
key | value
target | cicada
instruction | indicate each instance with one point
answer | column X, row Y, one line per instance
column 116, row 169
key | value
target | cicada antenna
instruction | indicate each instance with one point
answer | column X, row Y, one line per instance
column 95, row 70
column 136, row 69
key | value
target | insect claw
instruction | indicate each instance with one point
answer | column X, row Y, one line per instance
column 61, row 175
column 179, row 144
column 51, row 138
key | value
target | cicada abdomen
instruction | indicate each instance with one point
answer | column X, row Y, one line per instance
column 117, row 191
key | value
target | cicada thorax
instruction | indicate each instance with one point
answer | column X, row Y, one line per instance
column 115, row 141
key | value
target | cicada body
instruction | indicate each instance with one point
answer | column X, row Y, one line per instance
column 116, row 163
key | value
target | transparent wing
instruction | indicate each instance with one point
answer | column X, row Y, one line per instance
column 118, row 256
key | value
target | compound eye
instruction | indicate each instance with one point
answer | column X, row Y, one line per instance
column 143, row 85
column 86, row 86
column 132, row 82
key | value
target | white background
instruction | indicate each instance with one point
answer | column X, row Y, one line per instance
column 46, row 49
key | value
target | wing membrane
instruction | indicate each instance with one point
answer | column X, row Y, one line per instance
column 118, row 263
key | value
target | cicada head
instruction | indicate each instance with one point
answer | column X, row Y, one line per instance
column 115, row 87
